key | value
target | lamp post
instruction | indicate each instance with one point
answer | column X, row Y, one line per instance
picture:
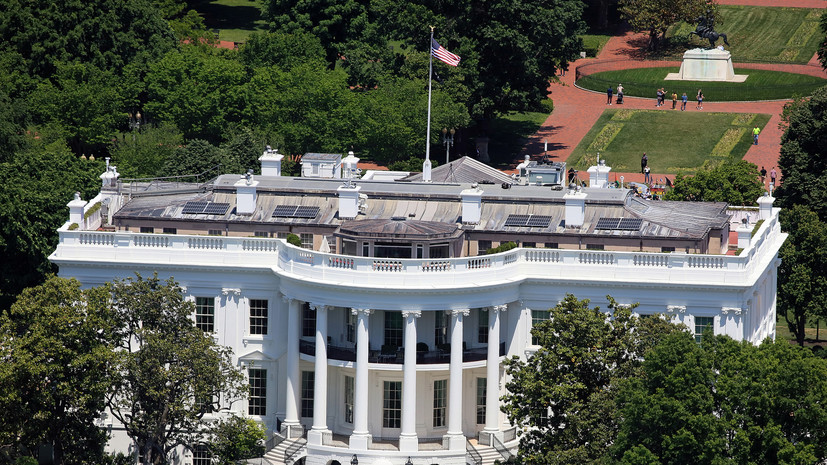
column 135, row 123
column 448, row 142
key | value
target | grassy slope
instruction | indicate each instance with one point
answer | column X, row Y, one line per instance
column 760, row 84
column 787, row 35
column 509, row 134
column 673, row 140
column 235, row 19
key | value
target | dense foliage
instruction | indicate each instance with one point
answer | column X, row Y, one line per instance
column 737, row 183
column 655, row 16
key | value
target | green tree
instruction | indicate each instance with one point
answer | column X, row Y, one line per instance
column 802, row 276
column 655, row 16
column 236, row 439
column 723, row 401
column 199, row 90
column 822, row 48
column 196, row 157
column 281, row 50
column 737, row 183
column 168, row 372
column 803, row 159
column 143, row 153
column 107, row 34
column 241, row 152
column 563, row 395
column 55, row 348
column 82, row 102
column 38, row 182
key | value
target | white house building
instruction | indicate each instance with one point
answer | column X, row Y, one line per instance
column 380, row 340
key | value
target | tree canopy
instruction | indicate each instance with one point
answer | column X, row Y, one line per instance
column 803, row 159
column 737, row 183
column 655, row 16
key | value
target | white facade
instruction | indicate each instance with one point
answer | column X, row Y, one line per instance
column 736, row 292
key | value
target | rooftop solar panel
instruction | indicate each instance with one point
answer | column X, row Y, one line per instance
column 295, row 211
column 285, row 211
column 607, row 223
column 194, row 207
column 216, row 208
column 306, row 212
column 630, row 224
column 531, row 221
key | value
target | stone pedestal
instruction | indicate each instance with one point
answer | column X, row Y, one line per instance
column 706, row 65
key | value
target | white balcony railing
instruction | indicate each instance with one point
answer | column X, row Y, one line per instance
column 516, row 264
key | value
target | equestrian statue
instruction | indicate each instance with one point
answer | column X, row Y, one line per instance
column 706, row 29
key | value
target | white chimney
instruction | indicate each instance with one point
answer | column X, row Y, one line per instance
column 245, row 195
column 271, row 162
column 426, row 170
column 348, row 201
column 349, row 166
column 765, row 206
column 744, row 234
column 110, row 177
column 76, row 209
column 471, row 205
column 575, row 208
column 599, row 175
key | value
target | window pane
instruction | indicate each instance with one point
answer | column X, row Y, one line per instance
column 308, row 321
column 307, row 241
column 258, row 316
column 258, row 391
column 482, row 333
column 201, row 455
column 482, row 387
column 308, row 381
column 440, row 329
column 348, row 399
column 392, row 404
column 537, row 317
column 351, row 327
column 701, row 323
column 393, row 329
column 440, row 386
column 205, row 313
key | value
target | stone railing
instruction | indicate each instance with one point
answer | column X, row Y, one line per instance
column 516, row 264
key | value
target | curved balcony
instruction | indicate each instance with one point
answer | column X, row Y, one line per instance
column 429, row 357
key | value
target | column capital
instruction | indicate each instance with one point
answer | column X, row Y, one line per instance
column 318, row 307
column 735, row 310
column 676, row 308
column 286, row 298
column 230, row 290
column 413, row 313
column 365, row 311
column 499, row 308
column 458, row 311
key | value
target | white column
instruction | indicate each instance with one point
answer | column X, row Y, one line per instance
column 291, row 426
column 454, row 439
column 319, row 432
column 407, row 438
column 361, row 438
column 492, row 387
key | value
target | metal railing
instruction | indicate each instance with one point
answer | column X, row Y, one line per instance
column 504, row 452
column 348, row 354
column 273, row 441
column 294, row 449
column 472, row 453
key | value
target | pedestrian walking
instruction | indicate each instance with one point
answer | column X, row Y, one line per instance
column 647, row 178
column 644, row 161
column 755, row 133
column 700, row 100
column 659, row 94
column 609, row 95
column 763, row 174
column 773, row 175
column 683, row 102
column 620, row 93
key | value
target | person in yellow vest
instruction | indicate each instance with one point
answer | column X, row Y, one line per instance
column 674, row 100
column 755, row 133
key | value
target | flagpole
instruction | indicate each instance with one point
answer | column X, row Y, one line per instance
column 426, row 166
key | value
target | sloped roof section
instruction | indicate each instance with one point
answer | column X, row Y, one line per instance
column 464, row 170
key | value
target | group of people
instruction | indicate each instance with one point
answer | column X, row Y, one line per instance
column 661, row 98
column 773, row 174
column 609, row 93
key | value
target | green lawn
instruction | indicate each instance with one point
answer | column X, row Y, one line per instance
column 786, row 35
column 508, row 134
column 760, row 85
column 235, row 20
column 594, row 43
column 673, row 140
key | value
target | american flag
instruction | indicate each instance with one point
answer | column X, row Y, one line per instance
column 443, row 55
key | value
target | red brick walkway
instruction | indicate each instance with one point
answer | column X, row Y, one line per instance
column 576, row 110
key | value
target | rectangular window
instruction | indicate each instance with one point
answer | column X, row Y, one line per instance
column 204, row 404
column 307, row 241
column 440, row 391
column 482, row 386
column 594, row 246
column 261, row 234
column 282, row 234
column 258, row 316
column 308, row 386
column 205, row 314
column 215, row 232
column 201, row 455
column 392, row 404
column 530, row 245
column 701, row 324
column 348, row 399
column 365, row 249
column 351, row 327
column 331, row 242
column 552, row 245
column 482, row 329
column 393, row 329
column 483, row 246
column 667, row 249
column 308, row 321
column 147, row 229
column 258, row 391
column 170, row 230
column 537, row 317
column 440, row 329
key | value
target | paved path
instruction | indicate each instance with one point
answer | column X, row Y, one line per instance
column 577, row 110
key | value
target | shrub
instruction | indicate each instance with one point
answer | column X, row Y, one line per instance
column 293, row 239
column 501, row 248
